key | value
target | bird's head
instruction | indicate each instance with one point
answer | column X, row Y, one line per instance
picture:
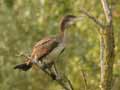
column 67, row 21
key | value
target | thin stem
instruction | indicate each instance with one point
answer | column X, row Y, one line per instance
column 92, row 18
column 25, row 56
column 84, row 78
column 107, row 11
column 102, row 54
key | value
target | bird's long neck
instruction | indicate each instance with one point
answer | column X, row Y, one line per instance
column 62, row 27
column 62, row 31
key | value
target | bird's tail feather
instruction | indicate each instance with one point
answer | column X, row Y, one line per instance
column 23, row 67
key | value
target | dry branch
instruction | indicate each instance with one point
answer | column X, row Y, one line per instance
column 86, row 13
column 85, row 79
column 107, row 11
column 53, row 73
column 107, row 45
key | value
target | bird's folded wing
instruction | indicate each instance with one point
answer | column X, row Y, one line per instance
column 43, row 41
column 44, row 47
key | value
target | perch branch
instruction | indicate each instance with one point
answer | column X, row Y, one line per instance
column 61, row 79
column 53, row 73
column 91, row 17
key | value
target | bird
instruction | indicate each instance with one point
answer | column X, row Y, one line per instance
column 48, row 45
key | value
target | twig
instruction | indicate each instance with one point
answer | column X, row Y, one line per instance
column 22, row 54
column 92, row 18
column 84, row 78
column 102, row 54
column 107, row 11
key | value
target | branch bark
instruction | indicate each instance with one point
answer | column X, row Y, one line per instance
column 107, row 11
column 107, row 49
column 55, row 75
column 107, row 45
column 63, row 80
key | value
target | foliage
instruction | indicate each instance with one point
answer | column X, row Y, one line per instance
column 24, row 22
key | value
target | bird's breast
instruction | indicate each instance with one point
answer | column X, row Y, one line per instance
column 55, row 53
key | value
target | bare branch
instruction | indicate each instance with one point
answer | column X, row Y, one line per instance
column 55, row 75
column 84, row 78
column 107, row 11
column 102, row 47
column 23, row 55
column 63, row 80
column 92, row 18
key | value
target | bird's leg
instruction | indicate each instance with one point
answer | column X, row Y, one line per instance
column 47, row 65
column 41, row 66
column 54, row 73
column 44, row 63
column 50, row 65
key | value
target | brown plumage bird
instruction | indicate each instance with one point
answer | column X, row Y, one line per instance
column 48, row 45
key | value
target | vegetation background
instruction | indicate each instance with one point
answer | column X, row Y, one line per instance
column 24, row 22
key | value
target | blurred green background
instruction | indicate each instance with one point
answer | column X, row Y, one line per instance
column 24, row 22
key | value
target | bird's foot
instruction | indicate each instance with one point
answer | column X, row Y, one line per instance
column 46, row 66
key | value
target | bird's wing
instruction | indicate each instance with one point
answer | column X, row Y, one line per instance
column 44, row 47
column 43, row 41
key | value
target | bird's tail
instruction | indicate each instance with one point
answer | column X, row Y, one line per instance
column 23, row 67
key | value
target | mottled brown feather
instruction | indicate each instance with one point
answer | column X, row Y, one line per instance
column 43, row 48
